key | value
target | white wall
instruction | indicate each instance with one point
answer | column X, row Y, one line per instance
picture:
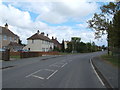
column 65, row 45
column 39, row 45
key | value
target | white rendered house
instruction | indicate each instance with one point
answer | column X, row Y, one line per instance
column 39, row 42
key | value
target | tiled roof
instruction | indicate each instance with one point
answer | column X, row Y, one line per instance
column 55, row 41
column 8, row 32
column 14, row 44
column 39, row 36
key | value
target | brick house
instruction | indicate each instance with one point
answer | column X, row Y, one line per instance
column 7, row 37
column 56, row 43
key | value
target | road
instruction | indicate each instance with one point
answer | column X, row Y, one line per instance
column 69, row 71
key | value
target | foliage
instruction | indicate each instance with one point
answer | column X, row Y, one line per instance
column 62, row 46
column 82, row 47
column 103, row 24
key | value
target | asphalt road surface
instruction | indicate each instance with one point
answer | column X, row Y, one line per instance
column 69, row 71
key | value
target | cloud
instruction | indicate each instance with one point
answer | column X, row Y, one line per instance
column 62, row 12
column 59, row 12
column 21, row 23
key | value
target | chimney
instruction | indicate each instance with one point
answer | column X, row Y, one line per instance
column 6, row 26
column 42, row 33
column 55, row 38
column 38, row 32
column 47, row 35
column 52, row 37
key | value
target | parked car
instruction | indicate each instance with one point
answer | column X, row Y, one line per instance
column 1, row 49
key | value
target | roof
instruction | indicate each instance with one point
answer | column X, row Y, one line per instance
column 8, row 32
column 67, row 41
column 14, row 44
column 55, row 41
column 39, row 36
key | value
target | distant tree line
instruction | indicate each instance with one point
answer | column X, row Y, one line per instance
column 76, row 46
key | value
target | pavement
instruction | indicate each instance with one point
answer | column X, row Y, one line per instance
column 68, row 71
column 108, row 71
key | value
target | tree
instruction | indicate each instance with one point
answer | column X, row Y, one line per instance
column 116, row 30
column 62, row 46
column 75, row 41
column 102, row 24
column 19, row 41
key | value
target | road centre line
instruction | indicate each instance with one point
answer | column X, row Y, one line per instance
column 52, row 74
column 37, row 76
column 64, row 64
column 33, row 73
column 96, row 73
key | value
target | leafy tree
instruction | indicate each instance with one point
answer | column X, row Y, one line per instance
column 102, row 24
column 75, row 41
column 19, row 41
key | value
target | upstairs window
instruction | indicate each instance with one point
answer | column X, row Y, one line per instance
column 10, row 38
column 5, row 37
column 15, row 38
column 32, row 41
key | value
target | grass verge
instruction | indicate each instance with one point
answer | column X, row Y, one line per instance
column 112, row 59
column 16, row 57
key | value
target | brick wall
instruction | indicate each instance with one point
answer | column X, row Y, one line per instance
column 32, row 54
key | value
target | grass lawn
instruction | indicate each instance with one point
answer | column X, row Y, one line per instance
column 112, row 59
column 17, row 56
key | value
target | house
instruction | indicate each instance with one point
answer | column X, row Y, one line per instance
column 7, row 37
column 39, row 42
column 66, row 44
column 56, row 43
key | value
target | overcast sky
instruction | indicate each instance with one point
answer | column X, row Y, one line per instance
column 59, row 18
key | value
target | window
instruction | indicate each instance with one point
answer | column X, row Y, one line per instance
column 43, row 49
column 15, row 38
column 32, row 41
column 42, row 41
column 10, row 38
column 5, row 37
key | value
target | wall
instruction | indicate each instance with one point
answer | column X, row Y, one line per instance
column 39, row 45
column 32, row 54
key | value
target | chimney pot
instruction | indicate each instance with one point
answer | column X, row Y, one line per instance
column 6, row 26
column 42, row 33
column 38, row 32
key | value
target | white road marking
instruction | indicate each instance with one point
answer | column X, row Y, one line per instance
column 96, row 73
column 37, row 76
column 33, row 73
column 64, row 64
column 52, row 74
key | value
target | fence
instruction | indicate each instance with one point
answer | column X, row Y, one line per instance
column 29, row 54
column 32, row 54
column 6, row 55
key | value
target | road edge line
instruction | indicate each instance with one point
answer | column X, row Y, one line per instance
column 96, row 73
column 104, row 80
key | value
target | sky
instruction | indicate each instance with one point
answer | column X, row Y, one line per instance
column 62, row 19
